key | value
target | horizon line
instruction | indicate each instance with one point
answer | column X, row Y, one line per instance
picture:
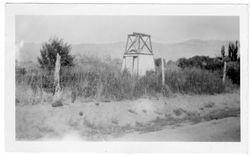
column 113, row 42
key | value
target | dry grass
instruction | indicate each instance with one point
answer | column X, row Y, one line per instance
column 100, row 101
column 102, row 80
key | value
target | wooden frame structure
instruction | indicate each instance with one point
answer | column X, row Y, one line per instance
column 137, row 44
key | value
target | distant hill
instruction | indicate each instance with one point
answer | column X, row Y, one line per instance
column 189, row 49
column 173, row 51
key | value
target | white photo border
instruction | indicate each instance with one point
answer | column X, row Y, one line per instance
column 123, row 9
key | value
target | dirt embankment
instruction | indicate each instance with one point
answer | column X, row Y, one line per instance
column 226, row 129
column 181, row 118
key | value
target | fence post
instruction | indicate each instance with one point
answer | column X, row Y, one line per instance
column 57, row 74
column 57, row 100
column 224, row 72
column 162, row 71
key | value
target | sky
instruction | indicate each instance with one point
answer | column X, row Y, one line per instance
column 106, row 29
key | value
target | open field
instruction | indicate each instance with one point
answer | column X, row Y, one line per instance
column 175, row 118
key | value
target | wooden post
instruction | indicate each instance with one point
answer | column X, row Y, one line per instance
column 137, row 65
column 125, row 59
column 162, row 72
column 224, row 72
column 139, row 47
column 133, row 64
column 57, row 100
column 57, row 74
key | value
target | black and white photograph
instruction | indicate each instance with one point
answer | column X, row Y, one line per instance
column 127, row 78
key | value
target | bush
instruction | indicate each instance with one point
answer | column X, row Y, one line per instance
column 214, row 65
column 49, row 51
column 195, row 81
column 233, row 72
column 201, row 62
column 202, row 81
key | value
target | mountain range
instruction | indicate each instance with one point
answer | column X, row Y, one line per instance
column 170, row 51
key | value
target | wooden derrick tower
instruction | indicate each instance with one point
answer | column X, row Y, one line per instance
column 138, row 57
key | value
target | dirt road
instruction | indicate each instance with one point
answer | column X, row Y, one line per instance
column 179, row 118
column 227, row 129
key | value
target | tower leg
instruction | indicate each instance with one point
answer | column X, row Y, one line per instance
column 137, row 65
column 133, row 63
column 125, row 59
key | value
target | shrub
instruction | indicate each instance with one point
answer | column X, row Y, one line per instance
column 201, row 62
column 216, row 64
column 233, row 72
column 195, row 81
column 49, row 51
column 202, row 81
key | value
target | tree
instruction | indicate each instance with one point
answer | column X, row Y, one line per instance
column 222, row 51
column 233, row 68
column 49, row 51
column 233, row 50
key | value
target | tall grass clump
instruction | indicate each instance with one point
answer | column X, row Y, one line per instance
column 33, row 87
column 150, row 84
